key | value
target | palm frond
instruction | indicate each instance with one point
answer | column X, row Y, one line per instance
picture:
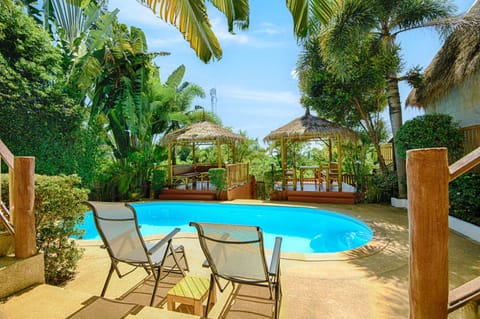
column 191, row 19
column 236, row 12
column 303, row 11
column 176, row 77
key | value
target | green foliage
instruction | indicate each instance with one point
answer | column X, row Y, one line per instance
column 218, row 178
column 430, row 130
column 38, row 118
column 58, row 208
column 356, row 102
column 381, row 187
column 464, row 193
column 270, row 178
column 159, row 177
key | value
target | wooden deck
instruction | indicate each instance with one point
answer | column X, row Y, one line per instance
column 311, row 193
column 187, row 194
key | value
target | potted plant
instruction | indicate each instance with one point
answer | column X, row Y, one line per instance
column 218, row 180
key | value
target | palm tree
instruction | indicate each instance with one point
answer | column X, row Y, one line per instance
column 355, row 21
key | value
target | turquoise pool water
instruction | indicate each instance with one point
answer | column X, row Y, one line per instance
column 304, row 230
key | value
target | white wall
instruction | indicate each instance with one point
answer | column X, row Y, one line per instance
column 462, row 103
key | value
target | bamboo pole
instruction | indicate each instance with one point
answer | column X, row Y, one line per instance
column 23, row 198
column 428, row 177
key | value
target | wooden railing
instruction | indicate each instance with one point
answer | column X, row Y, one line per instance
column 21, row 200
column 471, row 138
column 237, row 174
column 5, row 215
column 428, row 176
column 387, row 153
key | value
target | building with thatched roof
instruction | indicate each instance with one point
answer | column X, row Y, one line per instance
column 452, row 80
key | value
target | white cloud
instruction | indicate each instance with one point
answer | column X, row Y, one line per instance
column 220, row 29
column 280, row 97
column 269, row 28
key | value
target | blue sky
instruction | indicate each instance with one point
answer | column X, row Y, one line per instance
column 255, row 89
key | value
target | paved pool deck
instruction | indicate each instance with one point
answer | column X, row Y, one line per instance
column 367, row 283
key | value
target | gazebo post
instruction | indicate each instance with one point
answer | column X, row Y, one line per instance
column 327, row 183
column 219, row 154
column 234, row 152
column 193, row 153
column 169, row 160
column 339, row 167
column 283, row 154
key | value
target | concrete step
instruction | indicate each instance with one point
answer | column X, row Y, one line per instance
column 45, row 301
column 18, row 274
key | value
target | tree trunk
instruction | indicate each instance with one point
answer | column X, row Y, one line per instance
column 395, row 110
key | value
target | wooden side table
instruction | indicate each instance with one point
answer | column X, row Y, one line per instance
column 191, row 291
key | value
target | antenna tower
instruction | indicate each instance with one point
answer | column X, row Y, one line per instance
column 213, row 99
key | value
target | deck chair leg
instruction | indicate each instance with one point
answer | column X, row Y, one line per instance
column 212, row 282
column 277, row 300
column 157, row 278
column 107, row 281
column 177, row 262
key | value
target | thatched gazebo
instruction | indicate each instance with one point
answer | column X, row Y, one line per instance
column 201, row 133
column 310, row 128
column 457, row 61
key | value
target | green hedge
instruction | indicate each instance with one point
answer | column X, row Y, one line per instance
column 464, row 198
column 58, row 209
column 430, row 130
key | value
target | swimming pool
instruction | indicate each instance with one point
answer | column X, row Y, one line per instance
column 304, row 230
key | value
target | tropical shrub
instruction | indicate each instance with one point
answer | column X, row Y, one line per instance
column 463, row 193
column 218, row 178
column 158, row 181
column 58, row 209
column 430, row 130
column 381, row 187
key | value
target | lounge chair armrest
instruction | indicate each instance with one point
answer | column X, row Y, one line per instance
column 275, row 263
column 163, row 241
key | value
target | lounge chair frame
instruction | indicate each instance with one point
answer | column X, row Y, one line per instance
column 155, row 266
column 271, row 274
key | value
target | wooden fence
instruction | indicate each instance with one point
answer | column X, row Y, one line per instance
column 237, row 174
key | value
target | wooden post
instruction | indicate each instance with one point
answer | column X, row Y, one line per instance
column 283, row 155
column 234, row 152
column 23, row 199
column 219, row 154
column 428, row 177
column 339, row 167
column 193, row 153
column 169, row 161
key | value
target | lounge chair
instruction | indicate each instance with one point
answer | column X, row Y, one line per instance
column 118, row 227
column 235, row 253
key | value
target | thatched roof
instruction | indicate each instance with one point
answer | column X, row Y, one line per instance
column 201, row 132
column 456, row 61
column 310, row 127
